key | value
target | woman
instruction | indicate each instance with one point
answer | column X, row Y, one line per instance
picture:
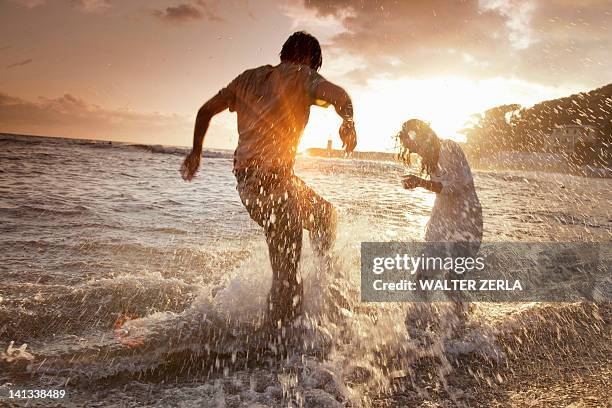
column 456, row 215
column 456, row 218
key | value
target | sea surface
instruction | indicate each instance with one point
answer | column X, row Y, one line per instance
column 131, row 287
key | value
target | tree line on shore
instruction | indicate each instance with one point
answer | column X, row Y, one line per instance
column 513, row 127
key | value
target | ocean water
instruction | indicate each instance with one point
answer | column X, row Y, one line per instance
column 134, row 288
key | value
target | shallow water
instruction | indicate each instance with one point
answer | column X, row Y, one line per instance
column 120, row 276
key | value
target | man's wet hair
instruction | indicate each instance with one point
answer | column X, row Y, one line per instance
column 301, row 47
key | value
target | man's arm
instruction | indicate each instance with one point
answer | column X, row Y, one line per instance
column 335, row 95
column 216, row 104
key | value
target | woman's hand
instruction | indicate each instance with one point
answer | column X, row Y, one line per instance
column 190, row 165
column 411, row 181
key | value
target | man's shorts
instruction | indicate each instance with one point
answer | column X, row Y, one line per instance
column 282, row 200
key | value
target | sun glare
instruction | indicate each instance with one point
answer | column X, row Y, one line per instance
column 446, row 103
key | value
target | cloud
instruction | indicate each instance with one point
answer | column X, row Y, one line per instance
column 91, row 6
column 211, row 12
column 545, row 41
column 71, row 116
column 180, row 13
column 86, row 6
column 518, row 15
column 29, row 3
column 187, row 12
column 571, row 38
column 19, row 64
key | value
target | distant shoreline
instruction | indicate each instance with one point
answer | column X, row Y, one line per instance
column 100, row 141
column 324, row 153
column 503, row 161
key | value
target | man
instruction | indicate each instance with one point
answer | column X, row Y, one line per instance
column 273, row 105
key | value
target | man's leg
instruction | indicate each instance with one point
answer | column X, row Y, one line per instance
column 318, row 215
column 323, row 233
column 273, row 205
column 283, row 211
column 284, row 237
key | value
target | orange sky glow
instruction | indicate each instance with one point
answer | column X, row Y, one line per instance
column 138, row 70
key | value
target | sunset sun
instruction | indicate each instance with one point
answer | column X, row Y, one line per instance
column 447, row 103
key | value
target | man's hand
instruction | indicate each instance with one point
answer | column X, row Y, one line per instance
column 411, row 181
column 214, row 105
column 348, row 135
column 190, row 165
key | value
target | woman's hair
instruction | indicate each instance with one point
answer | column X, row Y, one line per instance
column 301, row 47
column 424, row 136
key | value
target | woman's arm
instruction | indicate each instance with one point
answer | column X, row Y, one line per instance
column 434, row 186
column 411, row 181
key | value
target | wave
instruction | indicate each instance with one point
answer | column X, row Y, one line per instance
column 342, row 352
column 159, row 149
column 32, row 311
column 40, row 210
column 103, row 144
column 533, row 336
column 565, row 218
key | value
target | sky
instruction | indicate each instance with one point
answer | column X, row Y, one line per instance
column 138, row 70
